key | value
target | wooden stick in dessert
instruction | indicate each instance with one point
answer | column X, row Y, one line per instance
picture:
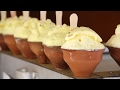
column 3, row 15
column 43, row 15
column 73, row 21
column 59, row 17
column 13, row 13
column 25, row 14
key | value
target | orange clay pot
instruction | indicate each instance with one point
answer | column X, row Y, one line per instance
column 55, row 55
column 24, row 48
column 37, row 49
column 10, row 42
column 3, row 46
column 82, row 62
column 115, row 54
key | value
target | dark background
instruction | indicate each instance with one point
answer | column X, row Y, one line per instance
column 103, row 22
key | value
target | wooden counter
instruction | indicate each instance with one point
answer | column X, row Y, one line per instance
column 68, row 73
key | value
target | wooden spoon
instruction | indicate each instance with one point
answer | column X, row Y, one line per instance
column 13, row 13
column 59, row 17
column 3, row 15
column 73, row 21
column 43, row 15
column 25, row 14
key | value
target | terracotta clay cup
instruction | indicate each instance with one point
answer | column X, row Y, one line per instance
column 82, row 62
column 55, row 55
column 24, row 48
column 10, row 42
column 37, row 49
column 115, row 54
column 3, row 45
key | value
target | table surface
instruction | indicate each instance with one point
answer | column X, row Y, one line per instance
column 97, row 74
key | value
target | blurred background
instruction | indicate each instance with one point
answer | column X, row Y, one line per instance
column 103, row 22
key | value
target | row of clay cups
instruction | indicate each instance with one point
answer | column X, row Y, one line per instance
column 79, row 67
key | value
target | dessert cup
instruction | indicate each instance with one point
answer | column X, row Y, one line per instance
column 37, row 49
column 115, row 54
column 3, row 46
column 55, row 55
column 82, row 62
column 24, row 48
column 10, row 42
